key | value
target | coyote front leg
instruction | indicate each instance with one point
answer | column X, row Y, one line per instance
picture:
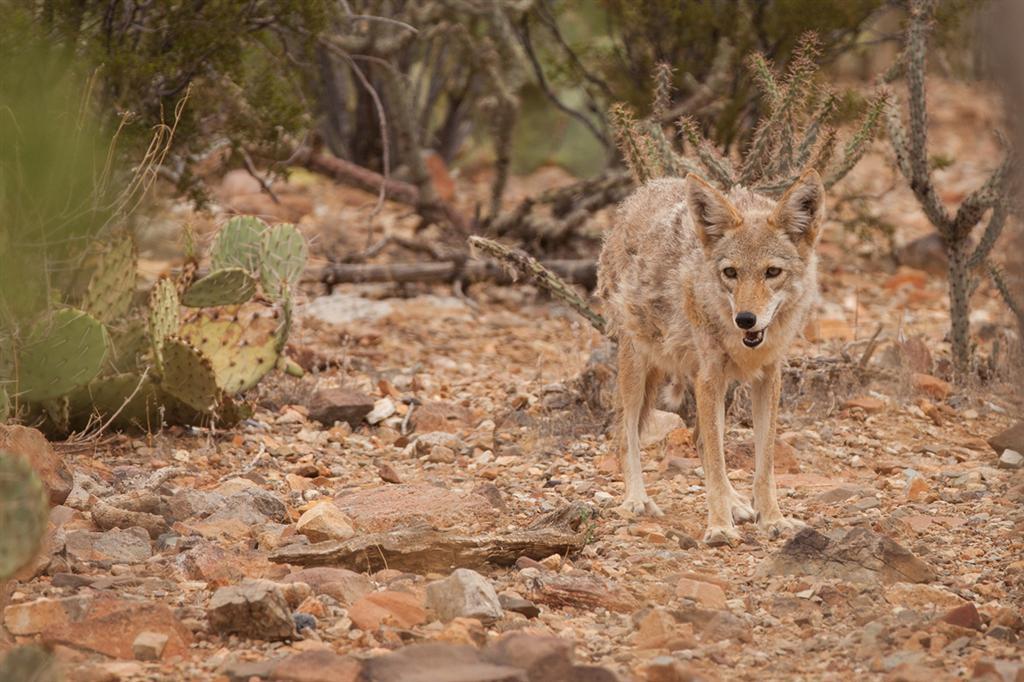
column 637, row 386
column 710, row 393
column 764, row 401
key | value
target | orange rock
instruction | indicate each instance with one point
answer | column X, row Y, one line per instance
column 659, row 630
column 705, row 594
column 932, row 386
column 387, row 608
column 105, row 625
column 866, row 403
column 918, row 489
column 32, row 446
column 907, row 276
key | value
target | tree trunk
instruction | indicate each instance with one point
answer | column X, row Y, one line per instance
column 959, row 307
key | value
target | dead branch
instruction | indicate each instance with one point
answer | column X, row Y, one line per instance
column 345, row 172
column 522, row 262
column 582, row 272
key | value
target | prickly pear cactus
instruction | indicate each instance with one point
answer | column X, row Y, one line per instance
column 188, row 375
column 112, row 286
column 63, row 351
column 23, row 514
column 29, row 663
column 129, row 344
column 164, row 316
column 230, row 286
column 238, row 243
column 131, row 399
column 283, row 254
column 240, row 343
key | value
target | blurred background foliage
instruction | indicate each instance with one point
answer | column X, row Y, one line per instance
column 511, row 83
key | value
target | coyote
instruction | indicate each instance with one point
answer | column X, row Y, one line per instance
column 708, row 288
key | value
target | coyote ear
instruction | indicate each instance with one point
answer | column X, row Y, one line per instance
column 711, row 212
column 801, row 209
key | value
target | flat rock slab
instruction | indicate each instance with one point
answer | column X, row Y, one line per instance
column 516, row 657
column 402, row 505
column 129, row 546
column 856, row 555
column 104, row 625
column 426, row 550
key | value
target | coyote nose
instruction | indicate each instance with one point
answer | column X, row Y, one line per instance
column 746, row 320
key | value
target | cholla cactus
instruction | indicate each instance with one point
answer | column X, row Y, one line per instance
column 911, row 149
column 795, row 134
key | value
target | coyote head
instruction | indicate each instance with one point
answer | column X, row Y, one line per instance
column 759, row 253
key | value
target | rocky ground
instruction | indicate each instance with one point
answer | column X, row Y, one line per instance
column 436, row 499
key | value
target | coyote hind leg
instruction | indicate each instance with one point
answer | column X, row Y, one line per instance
column 638, row 388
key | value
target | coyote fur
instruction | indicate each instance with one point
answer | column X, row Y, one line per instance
column 708, row 288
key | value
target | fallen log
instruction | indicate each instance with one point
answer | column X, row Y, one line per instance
column 582, row 272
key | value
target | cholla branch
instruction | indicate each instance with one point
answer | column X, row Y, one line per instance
column 523, row 263
column 858, row 144
column 636, row 145
column 662, row 90
column 717, row 166
column 993, row 229
column 1004, row 291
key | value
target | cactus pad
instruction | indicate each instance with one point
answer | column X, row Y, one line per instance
column 189, row 376
column 237, row 245
column 112, row 286
column 23, row 513
column 229, row 286
column 240, row 343
column 130, row 399
column 164, row 315
column 282, row 258
column 129, row 342
column 63, row 351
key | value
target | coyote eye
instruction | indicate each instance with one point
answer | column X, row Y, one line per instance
column 730, row 273
column 773, row 272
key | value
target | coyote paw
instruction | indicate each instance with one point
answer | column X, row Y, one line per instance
column 717, row 536
column 742, row 512
column 640, row 506
column 780, row 525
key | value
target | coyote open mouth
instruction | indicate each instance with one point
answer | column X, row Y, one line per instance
column 753, row 339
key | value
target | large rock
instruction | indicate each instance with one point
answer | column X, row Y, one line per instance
column 346, row 586
column 516, row 657
column 387, row 508
column 255, row 609
column 856, row 555
column 464, row 594
column 330, row 405
column 128, row 546
column 316, row 666
column 392, row 608
column 31, row 445
column 439, row 663
column 101, row 624
column 325, row 522
column 1009, row 439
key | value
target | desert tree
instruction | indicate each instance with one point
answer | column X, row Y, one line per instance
column 993, row 197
